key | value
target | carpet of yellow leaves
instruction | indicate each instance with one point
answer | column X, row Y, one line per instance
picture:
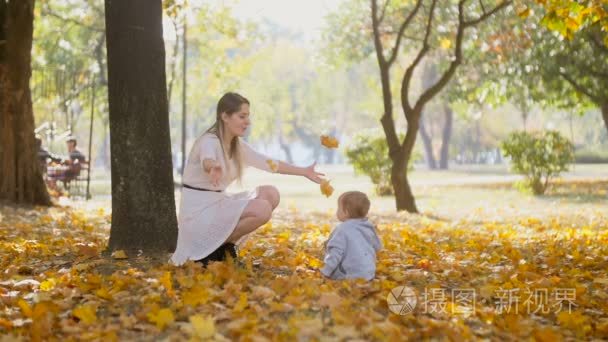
column 55, row 284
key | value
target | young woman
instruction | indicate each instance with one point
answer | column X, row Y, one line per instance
column 211, row 222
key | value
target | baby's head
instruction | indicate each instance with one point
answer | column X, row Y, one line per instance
column 352, row 204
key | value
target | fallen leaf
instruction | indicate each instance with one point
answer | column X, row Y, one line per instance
column 85, row 313
column 119, row 254
column 330, row 299
column 202, row 326
column 162, row 318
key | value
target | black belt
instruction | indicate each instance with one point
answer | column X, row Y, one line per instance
column 199, row 189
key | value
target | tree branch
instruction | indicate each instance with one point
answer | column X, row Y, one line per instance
column 46, row 11
column 376, row 33
column 580, row 88
column 430, row 92
column 485, row 15
column 404, row 25
column 409, row 72
column 597, row 42
column 383, row 11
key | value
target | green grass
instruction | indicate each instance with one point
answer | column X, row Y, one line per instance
column 459, row 193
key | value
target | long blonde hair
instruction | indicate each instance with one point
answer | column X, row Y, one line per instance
column 229, row 103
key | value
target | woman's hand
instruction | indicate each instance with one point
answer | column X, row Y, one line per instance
column 214, row 169
column 310, row 173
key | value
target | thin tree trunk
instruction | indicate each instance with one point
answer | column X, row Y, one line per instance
column 143, row 202
column 428, row 147
column 173, row 65
column 20, row 175
column 285, row 147
column 605, row 114
column 399, row 178
column 444, row 152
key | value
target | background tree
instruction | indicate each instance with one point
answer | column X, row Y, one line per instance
column 401, row 151
column 143, row 202
column 20, row 174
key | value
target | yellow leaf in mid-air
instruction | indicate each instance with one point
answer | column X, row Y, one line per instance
column 120, row 254
column 329, row 142
column 203, row 326
column 326, row 188
column 85, row 313
column 274, row 167
column 162, row 318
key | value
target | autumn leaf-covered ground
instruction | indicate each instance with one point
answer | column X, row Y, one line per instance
column 526, row 272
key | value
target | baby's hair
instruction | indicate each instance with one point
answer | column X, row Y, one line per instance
column 355, row 203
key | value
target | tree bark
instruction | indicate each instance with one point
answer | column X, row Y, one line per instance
column 143, row 202
column 403, row 192
column 444, row 152
column 428, row 146
column 20, row 174
column 285, row 147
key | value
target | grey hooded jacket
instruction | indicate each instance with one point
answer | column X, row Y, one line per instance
column 351, row 251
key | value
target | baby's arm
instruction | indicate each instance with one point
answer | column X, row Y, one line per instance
column 336, row 246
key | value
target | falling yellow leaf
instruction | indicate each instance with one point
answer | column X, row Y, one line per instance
column 119, row 254
column 85, row 313
column 274, row 167
column 202, row 326
column 329, row 142
column 326, row 188
column 162, row 318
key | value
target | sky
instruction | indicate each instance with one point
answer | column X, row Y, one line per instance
column 304, row 16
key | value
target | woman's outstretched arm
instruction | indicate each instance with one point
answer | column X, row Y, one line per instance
column 262, row 162
column 308, row 172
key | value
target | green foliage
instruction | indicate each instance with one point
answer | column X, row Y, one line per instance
column 538, row 156
column 368, row 153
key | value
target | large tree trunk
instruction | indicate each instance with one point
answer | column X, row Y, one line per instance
column 605, row 114
column 20, row 175
column 427, row 142
column 143, row 202
column 444, row 152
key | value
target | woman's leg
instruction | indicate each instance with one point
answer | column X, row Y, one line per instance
column 256, row 213
column 270, row 194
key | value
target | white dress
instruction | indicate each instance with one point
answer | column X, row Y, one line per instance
column 206, row 219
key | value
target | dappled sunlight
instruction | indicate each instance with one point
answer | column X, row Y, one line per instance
column 56, row 278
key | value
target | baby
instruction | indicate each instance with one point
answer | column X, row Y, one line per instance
column 352, row 245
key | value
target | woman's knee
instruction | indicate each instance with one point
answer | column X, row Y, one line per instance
column 271, row 194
